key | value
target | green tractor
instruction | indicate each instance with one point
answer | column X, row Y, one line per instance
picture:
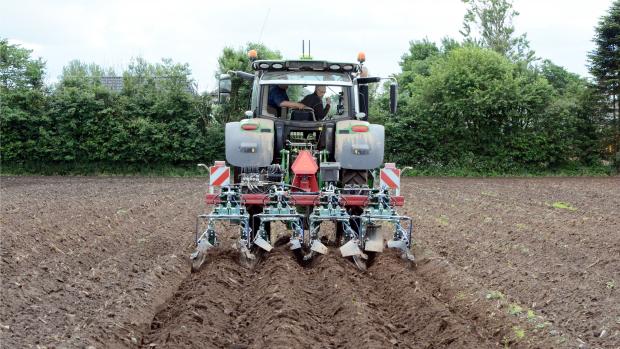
column 285, row 163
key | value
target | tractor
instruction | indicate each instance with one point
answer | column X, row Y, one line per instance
column 287, row 165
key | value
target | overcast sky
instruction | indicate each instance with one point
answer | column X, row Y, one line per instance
column 111, row 32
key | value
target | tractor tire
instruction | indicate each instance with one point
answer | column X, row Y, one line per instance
column 354, row 177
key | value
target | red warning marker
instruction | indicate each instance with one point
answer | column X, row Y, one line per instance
column 304, row 164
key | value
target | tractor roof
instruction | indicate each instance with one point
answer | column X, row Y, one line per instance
column 305, row 65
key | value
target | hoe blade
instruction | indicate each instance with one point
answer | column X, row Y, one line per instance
column 374, row 241
column 375, row 244
column 200, row 255
column 350, row 249
column 401, row 245
column 318, row 247
column 295, row 244
column 262, row 243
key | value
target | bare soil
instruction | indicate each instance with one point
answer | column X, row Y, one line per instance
column 102, row 262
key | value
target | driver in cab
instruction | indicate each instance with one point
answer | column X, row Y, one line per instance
column 315, row 101
column 278, row 99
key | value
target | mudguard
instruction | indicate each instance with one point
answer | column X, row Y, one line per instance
column 250, row 147
column 359, row 150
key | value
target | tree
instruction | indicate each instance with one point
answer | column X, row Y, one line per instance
column 17, row 69
column 422, row 53
column 492, row 21
column 237, row 60
column 417, row 60
column 23, row 104
column 605, row 63
column 477, row 109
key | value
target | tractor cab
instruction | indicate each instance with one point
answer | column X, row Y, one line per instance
column 301, row 83
column 343, row 134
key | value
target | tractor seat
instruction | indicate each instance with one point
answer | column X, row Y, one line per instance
column 302, row 115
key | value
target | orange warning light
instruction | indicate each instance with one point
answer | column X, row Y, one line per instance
column 252, row 54
column 361, row 57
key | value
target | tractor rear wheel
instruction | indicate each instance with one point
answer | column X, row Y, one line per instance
column 354, row 177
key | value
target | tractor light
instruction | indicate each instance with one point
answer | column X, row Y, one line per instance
column 361, row 57
column 359, row 128
column 249, row 127
column 252, row 55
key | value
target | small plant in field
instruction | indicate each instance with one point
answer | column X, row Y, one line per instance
column 459, row 296
column 493, row 295
column 515, row 309
column 563, row 206
column 531, row 315
column 523, row 249
column 611, row 284
column 519, row 332
column 443, row 220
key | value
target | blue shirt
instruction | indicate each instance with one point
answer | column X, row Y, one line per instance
column 277, row 95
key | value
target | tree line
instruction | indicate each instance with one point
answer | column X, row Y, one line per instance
column 485, row 104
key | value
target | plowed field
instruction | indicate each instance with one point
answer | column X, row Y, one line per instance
column 102, row 262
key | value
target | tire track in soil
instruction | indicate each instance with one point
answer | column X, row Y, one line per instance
column 282, row 305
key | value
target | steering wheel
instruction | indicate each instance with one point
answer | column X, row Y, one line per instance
column 310, row 110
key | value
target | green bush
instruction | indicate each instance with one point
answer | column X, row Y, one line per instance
column 473, row 109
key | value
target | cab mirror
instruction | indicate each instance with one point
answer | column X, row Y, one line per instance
column 224, row 88
column 393, row 98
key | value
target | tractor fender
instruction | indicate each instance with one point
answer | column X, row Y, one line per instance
column 359, row 150
column 250, row 147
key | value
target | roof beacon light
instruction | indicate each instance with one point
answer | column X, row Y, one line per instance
column 252, row 55
column 361, row 57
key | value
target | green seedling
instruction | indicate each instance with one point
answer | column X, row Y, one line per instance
column 523, row 249
column 459, row 296
column 443, row 220
column 563, row 206
column 515, row 309
column 493, row 295
column 531, row 315
column 611, row 284
column 519, row 332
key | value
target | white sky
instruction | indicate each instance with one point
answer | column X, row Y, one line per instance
column 111, row 32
